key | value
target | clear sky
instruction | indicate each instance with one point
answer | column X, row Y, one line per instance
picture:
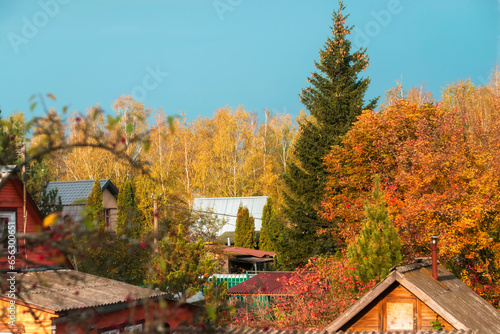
column 196, row 56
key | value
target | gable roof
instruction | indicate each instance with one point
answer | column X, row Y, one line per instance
column 265, row 283
column 449, row 297
column 227, row 208
column 10, row 171
column 76, row 192
column 64, row 290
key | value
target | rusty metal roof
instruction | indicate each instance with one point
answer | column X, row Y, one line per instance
column 64, row 290
column 247, row 251
column 265, row 283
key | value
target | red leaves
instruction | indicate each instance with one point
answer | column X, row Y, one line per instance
column 316, row 294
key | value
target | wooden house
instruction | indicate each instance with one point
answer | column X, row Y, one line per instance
column 68, row 301
column 410, row 298
column 74, row 196
column 13, row 205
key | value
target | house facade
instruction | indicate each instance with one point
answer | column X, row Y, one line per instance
column 74, row 196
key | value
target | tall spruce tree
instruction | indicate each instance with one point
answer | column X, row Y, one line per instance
column 334, row 98
column 270, row 231
column 244, row 235
column 94, row 206
column 378, row 247
column 128, row 222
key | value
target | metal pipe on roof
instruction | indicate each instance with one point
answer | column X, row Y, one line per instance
column 434, row 240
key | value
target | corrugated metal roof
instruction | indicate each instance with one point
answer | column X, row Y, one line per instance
column 251, row 252
column 268, row 283
column 76, row 192
column 227, row 208
column 64, row 290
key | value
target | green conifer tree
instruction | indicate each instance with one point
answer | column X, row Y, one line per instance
column 128, row 222
column 378, row 247
column 334, row 98
column 244, row 235
column 94, row 206
column 270, row 232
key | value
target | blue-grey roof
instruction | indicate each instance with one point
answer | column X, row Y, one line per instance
column 227, row 208
column 76, row 192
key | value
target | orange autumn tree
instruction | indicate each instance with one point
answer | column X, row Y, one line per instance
column 439, row 169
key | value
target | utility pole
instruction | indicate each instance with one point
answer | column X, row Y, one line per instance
column 25, row 211
column 155, row 223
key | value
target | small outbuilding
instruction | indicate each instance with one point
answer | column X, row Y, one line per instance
column 410, row 299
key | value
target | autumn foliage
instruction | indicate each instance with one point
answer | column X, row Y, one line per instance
column 439, row 165
column 312, row 297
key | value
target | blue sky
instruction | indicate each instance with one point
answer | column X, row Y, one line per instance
column 196, row 56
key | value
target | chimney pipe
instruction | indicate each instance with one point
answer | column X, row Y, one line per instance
column 434, row 240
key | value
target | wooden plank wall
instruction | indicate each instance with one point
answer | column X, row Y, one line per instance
column 27, row 316
column 375, row 317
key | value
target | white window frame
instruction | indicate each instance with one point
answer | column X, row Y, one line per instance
column 133, row 328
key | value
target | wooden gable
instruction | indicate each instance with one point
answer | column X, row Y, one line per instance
column 395, row 309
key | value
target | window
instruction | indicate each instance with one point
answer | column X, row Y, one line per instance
column 400, row 315
column 8, row 227
column 133, row 328
column 123, row 328
column 107, row 218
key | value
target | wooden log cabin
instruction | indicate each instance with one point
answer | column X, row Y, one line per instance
column 410, row 299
